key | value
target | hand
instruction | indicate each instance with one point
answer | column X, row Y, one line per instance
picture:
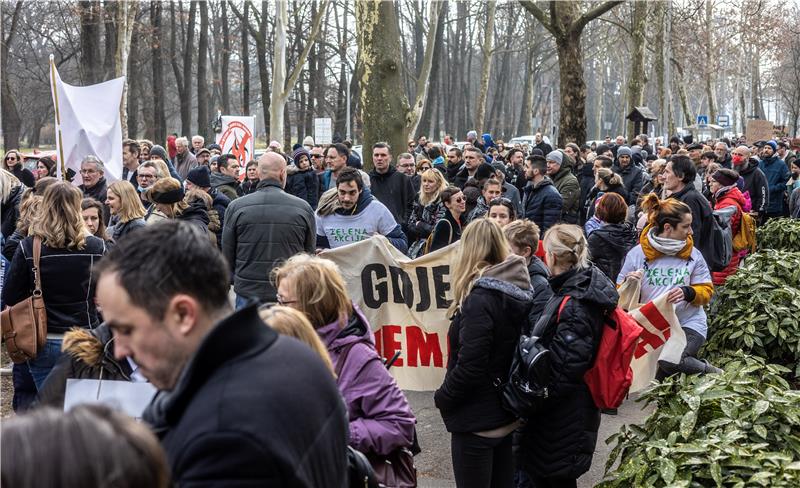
column 637, row 275
column 676, row 296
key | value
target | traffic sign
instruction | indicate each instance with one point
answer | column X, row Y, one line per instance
column 724, row 120
column 702, row 120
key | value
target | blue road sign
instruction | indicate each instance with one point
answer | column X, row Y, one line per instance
column 724, row 120
column 702, row 120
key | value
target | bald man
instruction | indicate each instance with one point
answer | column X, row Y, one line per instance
column 755, row 182
column 263, row 229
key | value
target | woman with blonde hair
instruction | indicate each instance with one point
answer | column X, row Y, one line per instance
column 126, row 210
column 557, row 443
column 381, row 421
column 605, row 181
column 29, row 208
column 68, row 255
column 290, row 322
column 492, row 298
column 428, row 207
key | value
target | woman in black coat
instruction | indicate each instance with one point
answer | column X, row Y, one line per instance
column 606, row 181
column 448, row 229
column 15, row 163
column 428, row 207
column 558, row 441
column 68, row 255
column 491, row 301
column 610, row 243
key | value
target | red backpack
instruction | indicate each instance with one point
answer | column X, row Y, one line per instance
column 611, row 375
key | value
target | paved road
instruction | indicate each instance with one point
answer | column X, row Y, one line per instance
column 435, row 466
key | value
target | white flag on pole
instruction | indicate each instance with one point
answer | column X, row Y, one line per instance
column 88, row 123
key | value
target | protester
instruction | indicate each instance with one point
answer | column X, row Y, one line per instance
column 509, row 191
column 198, row 142
column 11, row 190
column 200, row 179
column 523, row 239
column 542, row 145
column 130, row 160
column 406, row 165
column 14, row 163
column 92, row 214
column 492, row 298
column 45, row 167
column 777, row 174
column 357, row 216
column 159, row 153
column 301, row 180
column 755, row 183
column 263, row 229
column 202, row 358
column 490, row 190
column 126, row 210
column 29, row 209
column 250, row 181
column 390, row 187
column 201, row 211
column 381, row 420
column 632, row 175
column 559, row 169
column 169, row 198
column 68, row 257
column 94, row 182
column 428, row 208
column 145, row 146
column 542, row 202
column 724, row 193
column 88, row 446
column 293, row 323
column 226, row 178
column 448, row 229
column 475, row 166
column 184, row 160
column 666, row 261
column 679, row 176
column 605, row 181
column 336, row 157
column 502, row 211
column 611, row 240
column 146, row 176
column 454, row 163
column 558, row 441
column 656, row 181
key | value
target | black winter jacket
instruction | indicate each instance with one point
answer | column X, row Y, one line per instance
column 86, row 355
column 586, row 180
column 67, row 283
column 446, row 231
column 11, row 244
column 608, row 246
column 755, row 182
column 220, row 204
column 9, row 214
column 262, row 230
column 633, row 179
column 423, row 218
column 542, row 204
column 484, row 171
column 395, row 191
column 595, row 193
column 99, row 192
column 247, row 187
column 483, row 334
column 559, row 441
column 252, row 408
column 701, row 218
column 119, row 230
column 303, row 184
column 539, row 276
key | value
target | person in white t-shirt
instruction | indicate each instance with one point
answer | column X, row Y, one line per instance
column 666, row 261
column 354, row 215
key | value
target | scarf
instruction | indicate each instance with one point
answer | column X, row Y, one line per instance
column 668, row 247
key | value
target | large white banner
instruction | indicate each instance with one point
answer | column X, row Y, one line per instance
column 405, row 302
column 238, row 137
column 88, row 124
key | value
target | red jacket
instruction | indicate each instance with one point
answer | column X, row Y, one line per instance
column 731, row 197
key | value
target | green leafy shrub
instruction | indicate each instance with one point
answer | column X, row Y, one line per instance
column 783, row 234
column 740, row 428
column 756, row 311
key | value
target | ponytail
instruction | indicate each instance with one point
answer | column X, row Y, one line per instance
column 662, row 212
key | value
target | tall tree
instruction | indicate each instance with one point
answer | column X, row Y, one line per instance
column 421, row 93
column 225, row 62
column 11, row 120
column 188, row 50
column 125, row 20
column 202, row 75
column 159, row 121
column 487, row 51
column 637, row 78
column 566, row 23
column 259, row 35
column 91, row 68
column 282, row 85
column 245, row 59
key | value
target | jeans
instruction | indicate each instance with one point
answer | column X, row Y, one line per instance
column 242, row 301
column 689, row 363
column 481, row 462
column 24, row 388
column 44, row 362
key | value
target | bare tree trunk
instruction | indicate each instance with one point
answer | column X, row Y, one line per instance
column 134, row 87
column 486, row 66
column 383, row 105
column 173, row 45
column 188, row 50
column 225, row 60
column 110, row 31
column 433, row 96
column 159, row 122
column 10, row 116
column 658, row 61
column 245, row 58
column 637, row 78
column 710, row 64
column 125, row 21
column 423, row 80
column 202, row 75
column 524, row 125
column 687, row 113
column 90, row 66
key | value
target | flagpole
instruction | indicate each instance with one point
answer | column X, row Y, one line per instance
column 58, row 117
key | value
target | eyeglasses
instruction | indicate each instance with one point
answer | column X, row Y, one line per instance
column 11, row 158
column 142, row 176
column 316, row 156
column 460, row 200
column 88, row 171
column 282, row 301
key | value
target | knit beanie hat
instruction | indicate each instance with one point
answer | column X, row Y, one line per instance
column 159, row 151
column 300, row 151
column 555, row 156
column 200, row 176
column 624, row 151
column 725, row 177
column 773, row 145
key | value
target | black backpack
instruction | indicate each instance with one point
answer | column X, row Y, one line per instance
column 526, row 386
column 721, row 249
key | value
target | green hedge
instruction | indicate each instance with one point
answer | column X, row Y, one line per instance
column 782, row 234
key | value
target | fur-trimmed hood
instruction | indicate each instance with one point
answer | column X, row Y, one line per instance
column 509, row 277
column 89, row 346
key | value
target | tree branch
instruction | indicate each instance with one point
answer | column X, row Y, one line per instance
column 534, row 10
column 591, row 14
column 315, row 28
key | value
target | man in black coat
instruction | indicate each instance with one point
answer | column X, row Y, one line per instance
column 679, row 180
column 263, row 229
column 238, row 405
column 475, row 166
column 755, row 182
column 632, row 175
column 389, row 186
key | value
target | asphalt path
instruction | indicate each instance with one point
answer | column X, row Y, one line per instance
column 435, row 467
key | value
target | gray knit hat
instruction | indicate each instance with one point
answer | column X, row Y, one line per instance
column 624, row 151
column 555, row 156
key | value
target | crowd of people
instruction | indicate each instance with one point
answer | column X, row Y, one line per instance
column 136, row 275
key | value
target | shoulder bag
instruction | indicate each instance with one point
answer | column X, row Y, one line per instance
column 24, row 325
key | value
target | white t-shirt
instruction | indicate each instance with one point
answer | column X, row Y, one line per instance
column 347, row 229
column 666, row 273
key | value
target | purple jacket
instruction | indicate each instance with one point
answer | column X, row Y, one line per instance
column 380, row 418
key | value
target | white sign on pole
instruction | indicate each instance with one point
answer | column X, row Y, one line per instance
column 323, row 131
column 237, row 137
column 724, row 120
